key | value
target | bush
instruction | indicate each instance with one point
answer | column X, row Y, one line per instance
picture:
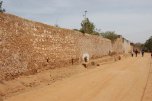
column 110, row 35
column 87, row 26
column 148, row 44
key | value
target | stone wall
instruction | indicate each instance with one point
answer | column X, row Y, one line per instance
column 121, row 45
column 127, row 46
column 27, row 47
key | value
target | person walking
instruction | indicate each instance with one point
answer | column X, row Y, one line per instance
column 142, row 52
column 136, row 52
column 132, row 53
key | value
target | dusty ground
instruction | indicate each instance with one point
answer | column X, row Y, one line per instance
column 125, row 80
column 46, row 77
column 148, row 88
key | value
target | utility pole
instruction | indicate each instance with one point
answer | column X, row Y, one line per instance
column 84, row 21
column 85, row 13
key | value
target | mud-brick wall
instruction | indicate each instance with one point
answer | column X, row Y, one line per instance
column 28, row 47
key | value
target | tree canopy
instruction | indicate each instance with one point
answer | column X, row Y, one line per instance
column 110, row 35
column 87, row 26
column 148, row 44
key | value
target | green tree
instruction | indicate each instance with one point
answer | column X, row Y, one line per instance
column 148, row 44
column 87, row 26
column 110, row 35
column 139, row 45
column 1, row 9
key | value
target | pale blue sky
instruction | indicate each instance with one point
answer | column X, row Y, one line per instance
column 130, row 18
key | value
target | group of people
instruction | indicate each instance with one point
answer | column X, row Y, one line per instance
column 136, row 53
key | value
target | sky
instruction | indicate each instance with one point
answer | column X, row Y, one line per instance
column 130, row 18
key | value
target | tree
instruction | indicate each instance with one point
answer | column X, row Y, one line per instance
column 97, row 32
column 139, row 46
column 110, row 35
column 148, row 44
column 1, row 9
column 87, row 26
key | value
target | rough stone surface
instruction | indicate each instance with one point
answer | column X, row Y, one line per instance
column 121, row 45
column 28, row 47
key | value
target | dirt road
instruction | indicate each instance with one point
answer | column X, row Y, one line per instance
column 124, row 80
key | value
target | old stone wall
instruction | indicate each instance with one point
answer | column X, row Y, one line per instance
column 127, row 46
column 121, row 45
column 27, row 47
column 117, row 45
